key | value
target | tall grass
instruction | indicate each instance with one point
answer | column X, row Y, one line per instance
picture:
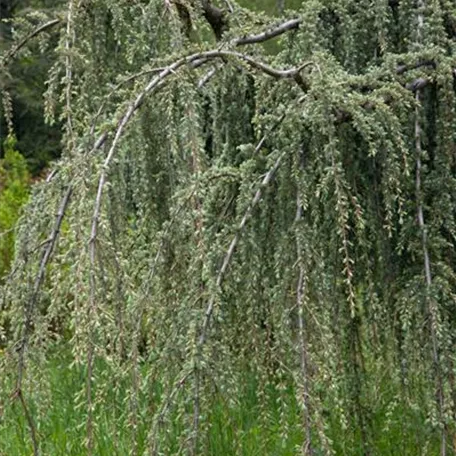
column 238, row 429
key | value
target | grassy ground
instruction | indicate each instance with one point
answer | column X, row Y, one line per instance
column 238, row 429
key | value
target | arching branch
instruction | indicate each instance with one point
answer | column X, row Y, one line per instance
column 151, row 87
column 154, row 85
column 292, row 24
column 15, row 49
column 29, row 312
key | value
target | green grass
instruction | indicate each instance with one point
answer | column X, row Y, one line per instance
column 238, row 427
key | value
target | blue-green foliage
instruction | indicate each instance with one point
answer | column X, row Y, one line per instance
column 247, row 264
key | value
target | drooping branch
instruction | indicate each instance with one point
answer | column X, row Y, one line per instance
column 69, row 40
column 221, row 275
column 219, row 280
column 431, row 308
column 145, row 294
column 232, row 247
column 217, row 20
column 15, row 49
column 421, row 223
column 156, row 83
column 29, row 312
column 294, row 24
column 45, row 258
column 153, row 85
column 307, row 448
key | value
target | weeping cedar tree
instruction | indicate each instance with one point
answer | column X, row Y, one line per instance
column 223, row 220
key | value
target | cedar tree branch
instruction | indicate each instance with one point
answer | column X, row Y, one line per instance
column 15, row 49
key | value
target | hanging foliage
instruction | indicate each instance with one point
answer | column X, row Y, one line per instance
column 229, row 226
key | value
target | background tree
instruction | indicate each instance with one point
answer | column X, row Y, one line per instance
column 245, row 248
column 14, row 184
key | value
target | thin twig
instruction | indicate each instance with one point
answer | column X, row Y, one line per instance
column 307, row 449
column 69, row 39
column 428, row 278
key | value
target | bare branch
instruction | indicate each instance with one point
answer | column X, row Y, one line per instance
column 417, row 84
column 207, row 77
column 46, row 256
column 30, row 421
column 292, row 24
column 401, row 69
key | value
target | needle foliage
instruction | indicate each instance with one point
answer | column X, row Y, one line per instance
column 245, row 248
